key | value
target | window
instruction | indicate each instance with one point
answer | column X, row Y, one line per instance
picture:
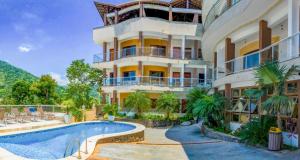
column 129, row 51
column 176, row 52
column 292, row 87
column 188, row 53
column 158, row 50
column 129, row 76
column 156, row 74
column 251, row 60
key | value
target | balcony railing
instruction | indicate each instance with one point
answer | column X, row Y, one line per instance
column 157, row 81
column 217, row 10
column 281, row 51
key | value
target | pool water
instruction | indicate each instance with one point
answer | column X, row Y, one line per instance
column 52, row 143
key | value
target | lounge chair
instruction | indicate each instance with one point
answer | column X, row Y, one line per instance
column 45, row 115
column 33, row 116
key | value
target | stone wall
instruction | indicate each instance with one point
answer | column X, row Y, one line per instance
column 218, row 135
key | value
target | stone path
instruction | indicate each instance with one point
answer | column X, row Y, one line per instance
column 181, row 143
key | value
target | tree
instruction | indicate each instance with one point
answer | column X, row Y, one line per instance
column 272, row 75
column 211, row 109
column 82, row 81
column 138, row 101
column 45, row 89
column 168, row 102
column 20, row 92
column 194, row 95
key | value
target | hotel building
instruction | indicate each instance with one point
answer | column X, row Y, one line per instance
column 153, row 46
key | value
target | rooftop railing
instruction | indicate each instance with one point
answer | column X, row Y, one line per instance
column 157, row 81
column 281, row 51
column 217, row 10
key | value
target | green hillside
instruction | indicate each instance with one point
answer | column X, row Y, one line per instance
column 9, row 74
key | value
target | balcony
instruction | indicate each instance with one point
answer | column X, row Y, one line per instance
column 157, row 81
column 282, row 52
column 217, row 10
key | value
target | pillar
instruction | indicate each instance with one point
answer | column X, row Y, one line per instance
column 229, row 3
column 116, row 17
column 103, row 98
column 140, row 71
column 104, row 20
column 228, row 90
column 229, row 55
column 216, row 90
column 196, row 18
column 215, row 66
column 104, row 51
column 294, row 27
column 141, row 10
column 182, row 76
column 183, row 47
column 265, row 39
column 195, row 80
column 205, row 75
column 115, row 97
column 141, row 44
column 115, row 68
column 116, row 48
column 170, row 13
column 196, row 49
column 169, row 46
column 170, row 74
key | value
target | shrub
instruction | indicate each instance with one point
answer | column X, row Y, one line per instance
column 138, row 101
column 256, row 131
column 156, row 117
column 168, row 103
column 110, row 109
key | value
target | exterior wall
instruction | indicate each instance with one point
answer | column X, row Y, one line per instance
column 131, row 42
column 254, row 46
column 127, row 69
column 160, row 42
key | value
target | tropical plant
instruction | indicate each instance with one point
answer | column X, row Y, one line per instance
column 110, row 109
column 194, row 95
column 252, row 94
column 138, row 101
column 256, row 131
column 20, row 92
column 211, row 108
column 274, row 76
column 168, row 103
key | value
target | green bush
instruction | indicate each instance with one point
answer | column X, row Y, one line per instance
column 77, row 114
column 168, row 103
column 186, row 117
column 110, row 109
column 256, row 131
column 150, row 116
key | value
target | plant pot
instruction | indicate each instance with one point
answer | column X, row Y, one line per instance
column 67, row 118
column 275, row 140
column 111, row 118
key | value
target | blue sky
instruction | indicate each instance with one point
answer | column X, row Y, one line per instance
column 44, row 36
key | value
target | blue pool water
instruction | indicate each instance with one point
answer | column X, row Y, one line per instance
column 52, row 143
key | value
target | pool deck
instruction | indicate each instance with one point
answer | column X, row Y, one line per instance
column 186, row 142
column 28, row 126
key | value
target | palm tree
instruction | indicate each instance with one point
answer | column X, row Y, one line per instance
column 168, row 102
column 252, row 94
column 193, row 95
column 274, row 76
column 138, row 101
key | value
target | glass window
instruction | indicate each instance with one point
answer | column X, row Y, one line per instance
column 158, row 50
column 292, row 87
column 129, row 76
column 251, row 61
column 129, row 51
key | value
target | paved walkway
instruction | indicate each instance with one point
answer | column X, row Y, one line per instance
column 183, row 143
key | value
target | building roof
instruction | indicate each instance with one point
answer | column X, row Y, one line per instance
column 104, row 8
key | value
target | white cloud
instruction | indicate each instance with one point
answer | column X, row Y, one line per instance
column 61, row 80
column 25, row 48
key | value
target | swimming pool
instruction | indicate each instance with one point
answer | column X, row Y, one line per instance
column 52, row 143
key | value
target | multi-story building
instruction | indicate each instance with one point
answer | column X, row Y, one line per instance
column 153, row 46
column 239, row 35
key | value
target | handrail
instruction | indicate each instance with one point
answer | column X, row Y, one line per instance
column 220, row 7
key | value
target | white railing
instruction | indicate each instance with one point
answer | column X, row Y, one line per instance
column 217, row 10
column 46, row 108
column 157, row 81
column 281, row 51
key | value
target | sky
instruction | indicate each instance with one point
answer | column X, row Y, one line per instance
column 45, row 36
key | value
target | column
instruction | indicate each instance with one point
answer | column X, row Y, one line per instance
column 182, row 76
column 115, row 97
column 116, row 48
column 140, row 71
column 229, row 55
column 196, row 49
column 170, row 74
column 205, row 75
column 196, row 18
column 116, row 17
column 104, row 51
column 195, row 80
column 170, row 13
column 265, row 39
column 294, row 27
column 104, row 81
column 169, row 46
column 103, row 98
column 115, row 68
column 141, row 10
column 229, row 3
column 104, row 20
column 215, row 66
column 228, row 90
column 141, row 44
column 183, row 47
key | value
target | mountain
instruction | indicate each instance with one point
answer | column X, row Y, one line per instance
column 9, row 74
